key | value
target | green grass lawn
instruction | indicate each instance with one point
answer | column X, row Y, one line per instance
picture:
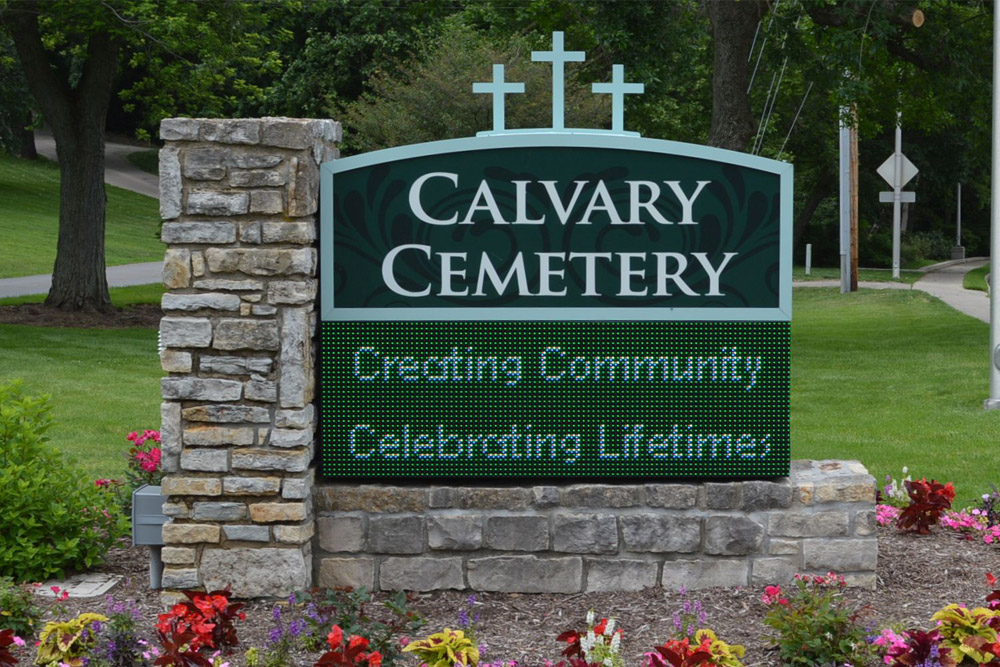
column 890, row 378
column 29, row 220
column 893, row 378
column 120, row 296
column 976, row 279
column 864, row 275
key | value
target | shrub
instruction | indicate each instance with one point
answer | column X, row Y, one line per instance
column 68, row 641
column 53, row 521
column 928, row 501
column 18, row 611
column 813, row 625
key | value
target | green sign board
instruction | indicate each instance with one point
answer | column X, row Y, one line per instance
column 555, row 305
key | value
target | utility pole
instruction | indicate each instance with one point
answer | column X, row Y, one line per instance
column 854, row 197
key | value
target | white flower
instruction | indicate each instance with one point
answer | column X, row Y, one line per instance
column 610, row 628
column 905, row 470
column 590, row 618
column 608, row 662
column 616, row 641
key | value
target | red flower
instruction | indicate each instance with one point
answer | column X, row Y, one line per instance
column 335, row 637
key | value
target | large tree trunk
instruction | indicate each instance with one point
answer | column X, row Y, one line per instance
column 77, row 115
column 734, row 23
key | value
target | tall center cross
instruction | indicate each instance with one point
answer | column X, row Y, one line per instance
column 618, row 89
column 498, row 87
column 558, row 57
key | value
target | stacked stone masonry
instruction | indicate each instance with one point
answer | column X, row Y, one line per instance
column 592, row 537
column 239, row 201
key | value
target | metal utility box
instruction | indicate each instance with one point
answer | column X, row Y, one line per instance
column 147, row 516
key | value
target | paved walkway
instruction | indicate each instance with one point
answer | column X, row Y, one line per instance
column 942, row 280
column 118, row 171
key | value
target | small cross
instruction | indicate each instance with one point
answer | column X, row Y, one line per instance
column 618, row 89
column 558, row 57
column 499, row 88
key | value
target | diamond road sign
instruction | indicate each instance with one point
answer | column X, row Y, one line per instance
column 888, row 170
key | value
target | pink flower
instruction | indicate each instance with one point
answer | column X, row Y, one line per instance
column 18, row 641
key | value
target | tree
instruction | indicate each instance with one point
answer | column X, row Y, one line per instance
column 16, row 116
column 70, row 51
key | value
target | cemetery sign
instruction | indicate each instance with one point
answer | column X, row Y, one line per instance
column 555, row 304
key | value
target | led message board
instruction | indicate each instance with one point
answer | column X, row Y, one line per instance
column 554, row 305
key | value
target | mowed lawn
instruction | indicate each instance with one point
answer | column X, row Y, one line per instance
column 29, row 220
column 890, row 378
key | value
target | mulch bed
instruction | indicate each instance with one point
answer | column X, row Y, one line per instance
column 916, row 577
column 36, row 315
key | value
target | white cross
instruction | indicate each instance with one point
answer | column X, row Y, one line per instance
column 618, row 90
column 558, row 57
column 499, row 88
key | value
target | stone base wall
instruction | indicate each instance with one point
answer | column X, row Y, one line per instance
column 592, row 537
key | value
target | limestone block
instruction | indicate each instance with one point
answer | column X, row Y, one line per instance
column 259, row 389
column 842, row 555
column 698, row 574
column 299, row 534
column 396, row 534
column 205, row 460
column 249, row 231
column 661, row 533
column 303, row 188
column 177, row 555
column 179, row 129
column 256, row 178
column 347, row 573
column 218, row 436
column 601, row 495
column 260, row 572
column 209, row 301
column 291, row 292
column 767, row 571
column 170, row 183
column 526, row 574
column 780, row 547
column 262, row 261
column 281, row 437
column 526, row 532
column 241, row 533
column 865, row 523
column 218, row 233
column 223, row 284
column 271, row 512
column 176, row 510
column 232, row 334
column 341, row 533
column 239, row 131
column 607, row 575
column 205, row 163
column 254, row 161
column 197, row 263
column 813, row 524
column 177, row 268
column 191, row 486
column 185, row 332
column 175, row 361
column 226, row 414
column 298, row 488
column 300, row 419
column 370, row 498
column 179, row 578
column 190, row 533
column 866, row 580
column 251, row 486
column 585, row 533
column 286, row 133
column 672, row 496
column 198, row 389
column 268, row 202
column 223, row 204
column 235, row 365
column 170, row 435
column 722, row 496
column 732, row 535
column 296, row 376
column 852, row 489
column 462, row 532
column 301, row 233
column 510, row 498
column 758, row 496
column 263, row 310
column 421, row 574
column 291, row 460
column 206, row 511
column 545, row 496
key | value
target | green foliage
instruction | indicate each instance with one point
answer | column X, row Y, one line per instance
column 15, row 106
column 445, row 649
column 18, row 611
column 66, row 641
column 53, row 521
column 814, row 625
column 968, row 632
column 397, row 110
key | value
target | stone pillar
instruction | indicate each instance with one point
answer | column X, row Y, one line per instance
column 239, row 201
